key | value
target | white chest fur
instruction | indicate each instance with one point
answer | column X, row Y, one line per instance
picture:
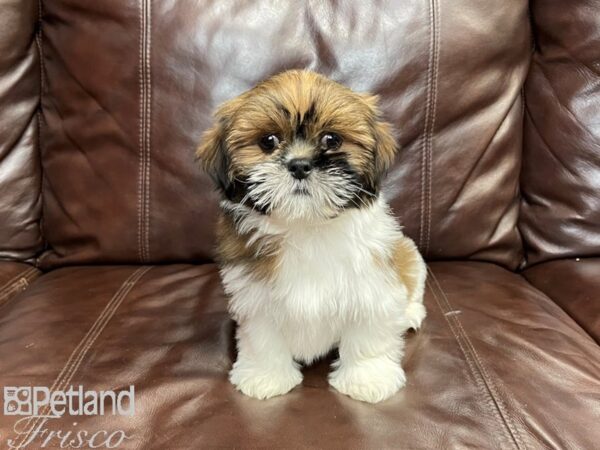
column 327, row 276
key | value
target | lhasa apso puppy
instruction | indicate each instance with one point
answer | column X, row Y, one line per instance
column 310, row 254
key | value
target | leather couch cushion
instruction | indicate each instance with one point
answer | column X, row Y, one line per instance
column 560, row 212
column 496, row 365
column 132, row 85
column 20, row 170
column 14, row 277
column 574, row 284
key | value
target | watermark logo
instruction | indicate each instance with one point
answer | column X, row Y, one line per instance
column 40, row 401
column 35, row 406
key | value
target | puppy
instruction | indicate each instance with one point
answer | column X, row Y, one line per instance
column 309, row 252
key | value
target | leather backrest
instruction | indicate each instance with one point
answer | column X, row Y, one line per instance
column 560, row 212
column 20, row 170
column 132, row 85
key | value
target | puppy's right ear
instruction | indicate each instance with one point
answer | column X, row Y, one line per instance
column 212, row 154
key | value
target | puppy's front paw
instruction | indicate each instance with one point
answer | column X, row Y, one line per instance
column 369, row 381
column 264, row 383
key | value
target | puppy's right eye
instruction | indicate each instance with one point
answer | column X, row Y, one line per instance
column 268, row 142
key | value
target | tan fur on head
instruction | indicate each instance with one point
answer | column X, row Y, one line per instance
column 298, row 107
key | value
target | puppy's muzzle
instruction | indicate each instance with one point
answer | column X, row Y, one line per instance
column 300, row 168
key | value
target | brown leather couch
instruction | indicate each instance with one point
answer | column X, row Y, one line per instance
column 106, row 222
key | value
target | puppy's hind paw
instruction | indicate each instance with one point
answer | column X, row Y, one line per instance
column 415, row 313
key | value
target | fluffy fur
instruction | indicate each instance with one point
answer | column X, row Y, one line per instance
column 312, row 261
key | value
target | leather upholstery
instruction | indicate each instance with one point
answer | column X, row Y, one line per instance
column 574, row 284
column 20, row 171
column 501, row 366
column 560, row 213
column 124, row 110
column 498, row 169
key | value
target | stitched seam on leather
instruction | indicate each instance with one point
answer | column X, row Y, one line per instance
column 427, row 139
column 8, row 284
column 522, row 249
column 470, row 363
column 141, row 130
column 39, row 42
column 477, row 367
column 75, row 355
column 433, row 108
column 75, row 359
column 38, row 39
column 144, row 138
column 497, row 398
column 425, row 128
column 148, row 123
column 16, row 284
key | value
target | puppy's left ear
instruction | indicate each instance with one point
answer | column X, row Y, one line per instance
column 385, row 142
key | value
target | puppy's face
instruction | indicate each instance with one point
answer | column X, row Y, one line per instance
column 298, row 147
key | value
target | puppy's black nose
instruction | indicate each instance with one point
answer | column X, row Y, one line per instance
column 300, row 168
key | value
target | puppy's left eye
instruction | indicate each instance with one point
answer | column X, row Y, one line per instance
column 330, row 141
